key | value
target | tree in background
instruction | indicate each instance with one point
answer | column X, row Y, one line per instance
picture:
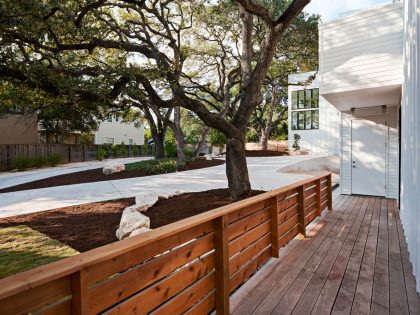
column 58, row 117
column 297, row 51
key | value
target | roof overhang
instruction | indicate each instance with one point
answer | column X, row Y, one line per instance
column 377, row 96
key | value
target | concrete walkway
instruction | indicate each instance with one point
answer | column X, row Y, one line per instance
column 262, row 173
column 8, row 179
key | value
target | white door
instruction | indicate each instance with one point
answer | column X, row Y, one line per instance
column 369, row 157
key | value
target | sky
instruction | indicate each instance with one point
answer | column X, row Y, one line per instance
column 331, row 9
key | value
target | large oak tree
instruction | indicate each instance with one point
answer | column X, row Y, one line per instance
column 134, row 51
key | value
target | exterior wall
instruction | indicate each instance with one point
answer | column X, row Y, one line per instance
column 410, row 135
column 19, row 129
column 120, row 132
column 363, row 50
column 392, row 160
column 324, row 140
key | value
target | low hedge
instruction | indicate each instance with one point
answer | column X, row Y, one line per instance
column 22, row 163
column 158, row 166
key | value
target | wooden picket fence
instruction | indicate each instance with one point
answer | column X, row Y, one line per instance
column 190, row 266
column 69, row 152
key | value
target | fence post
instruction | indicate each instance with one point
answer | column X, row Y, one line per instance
column 329, row 190
column 301, row 211
column 318, row 198
column 80, row 293
column 221, row 265
column 274, row 227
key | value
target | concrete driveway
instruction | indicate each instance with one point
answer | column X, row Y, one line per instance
column 262, row 173
column 8, row 179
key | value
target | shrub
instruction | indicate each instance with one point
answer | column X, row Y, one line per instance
column 135, row 150
column 114, row 150
column 22, row 163
column 123, row 149
column 38, row 161
column 100, row 154
column 189, row 154
column 296, row 139
column 144, row 150
column 152, row 167
column 252, row 136
column 170, row 150
column 217, row 139
column 54, row 159
column 108, row 149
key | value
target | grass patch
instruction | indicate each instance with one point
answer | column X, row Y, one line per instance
column 154, row 167
column 22, row 248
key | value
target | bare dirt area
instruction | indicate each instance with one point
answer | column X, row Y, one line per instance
column 96, row 175
column 88, row 226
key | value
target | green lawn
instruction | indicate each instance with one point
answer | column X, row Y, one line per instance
column 22, row 248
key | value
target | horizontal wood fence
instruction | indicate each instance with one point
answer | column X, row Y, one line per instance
column 190, row 266
column 69, row 152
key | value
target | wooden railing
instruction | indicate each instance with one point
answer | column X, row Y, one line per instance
column 189, row 266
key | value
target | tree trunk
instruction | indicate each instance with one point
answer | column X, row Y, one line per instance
column 179, row 136
column 160, row 149
column 201, row 141
column 265, row 132
column 236, row 169
column 264, row 139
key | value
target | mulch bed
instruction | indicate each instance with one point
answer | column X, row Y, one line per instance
column 262, row 153
column 88, row 226
column 96, row 175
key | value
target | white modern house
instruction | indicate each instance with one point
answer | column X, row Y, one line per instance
column 369, row 71
column 312, row 117
column 361, row 74
column 114, row 131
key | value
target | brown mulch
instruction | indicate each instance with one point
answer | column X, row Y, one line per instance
column 96, row 175
column 262, row 153
column 88, row 226
column 82, row 227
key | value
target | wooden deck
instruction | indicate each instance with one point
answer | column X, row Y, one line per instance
column 353, row 261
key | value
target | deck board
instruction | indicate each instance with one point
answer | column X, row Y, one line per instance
column 353, row 261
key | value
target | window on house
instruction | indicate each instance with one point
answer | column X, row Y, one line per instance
column 109, row 118
column 109, row 140
column 305, row 112
column 130, row 141
column 136, row 124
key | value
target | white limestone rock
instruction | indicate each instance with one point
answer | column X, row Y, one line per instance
column 131, row 220
column 139, row 231
column 113, row 167
column 145, row 200
column 170, row 194
column 209, row 157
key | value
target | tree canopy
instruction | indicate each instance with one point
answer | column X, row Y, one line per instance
column 209, row 57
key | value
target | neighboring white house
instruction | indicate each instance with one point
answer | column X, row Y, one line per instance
column 370, row 71
column 114, row 131
column 312, row 117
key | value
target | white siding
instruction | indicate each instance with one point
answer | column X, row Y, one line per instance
column 392, row 163
column 324, row 140
column 362, row 51
column 410, row 135
column 345, row 173
column 120, row 132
